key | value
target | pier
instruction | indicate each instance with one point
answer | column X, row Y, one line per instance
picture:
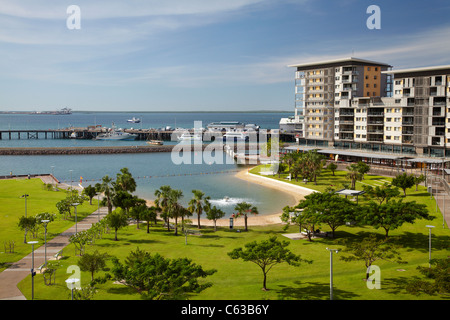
column 92, row 132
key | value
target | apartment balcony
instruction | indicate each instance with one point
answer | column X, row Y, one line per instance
column 369, row 121
column 407, row 122
column 407, row 141
column 407, row 131
column 375, row 114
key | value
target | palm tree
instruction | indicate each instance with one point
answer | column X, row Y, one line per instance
column 244, row 208
column 175, row 209
column 198, row 204
column 162, row 199
column 106, row 186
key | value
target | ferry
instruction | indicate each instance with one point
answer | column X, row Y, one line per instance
column 190, row 137
column 235, row 136
column 231, row 125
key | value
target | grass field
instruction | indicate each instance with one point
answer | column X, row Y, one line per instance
column 39, row 200
column 238, row 280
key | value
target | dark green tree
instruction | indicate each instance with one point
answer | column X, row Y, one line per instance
column 437, row 279
column 393, row 214
column 266, row 254
column 214, row 214
column 90, row 192
column 116, row 220
column 158, row 278
column 92, row 262
column 404, row 181
column 370, row 250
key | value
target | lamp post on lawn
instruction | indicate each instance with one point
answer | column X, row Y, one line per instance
column 25, row 196
column 32, row 267
column 331, row 270
column 45, row 222
column 71, row 179
column 76, row 219
column 429, row 244
column 72, row 282
column 98, row 206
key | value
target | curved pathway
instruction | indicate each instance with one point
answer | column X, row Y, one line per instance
column 10, row 277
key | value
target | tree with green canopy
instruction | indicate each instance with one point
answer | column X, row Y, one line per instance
column 437, row 279
column 90, row 192
column 92, row 262
column 328, row 208
column 266, row 254
column 381, row 193
column 116, row 220
column 393, row 214
column 214, row 214
column 404, row 181
column 159, row 278
column 147, row 214
column 125, row 181
column 370, row 250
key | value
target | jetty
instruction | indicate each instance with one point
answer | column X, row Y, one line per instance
column 91, row 132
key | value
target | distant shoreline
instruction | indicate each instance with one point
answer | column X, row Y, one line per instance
column 137, row 112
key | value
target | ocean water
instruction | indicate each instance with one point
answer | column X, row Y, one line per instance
column 151, row 170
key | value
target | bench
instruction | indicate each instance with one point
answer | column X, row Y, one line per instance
column 41, row 267
column 58, row 254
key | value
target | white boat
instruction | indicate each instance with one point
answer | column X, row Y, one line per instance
column 190, row 137
column 114, row 134
column 155, row 142
column 235, row 136
column 134, row 120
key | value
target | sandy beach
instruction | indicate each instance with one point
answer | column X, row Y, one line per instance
column 295, row 194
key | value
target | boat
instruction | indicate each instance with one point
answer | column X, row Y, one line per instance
column 155, row 142
column 134, row 120
column 73, row 135
column 190, row 137
column 235, row 136
column 114, row 134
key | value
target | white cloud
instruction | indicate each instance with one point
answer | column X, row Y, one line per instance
column 105, row 9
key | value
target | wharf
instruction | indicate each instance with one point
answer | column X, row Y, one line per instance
column 91, row 132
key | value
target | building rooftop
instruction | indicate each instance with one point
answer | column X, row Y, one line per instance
column 339, row 61
column 422, row 69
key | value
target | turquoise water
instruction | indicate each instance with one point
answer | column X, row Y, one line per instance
column 151, row 170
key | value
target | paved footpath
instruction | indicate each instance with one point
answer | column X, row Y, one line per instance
column 10, row 277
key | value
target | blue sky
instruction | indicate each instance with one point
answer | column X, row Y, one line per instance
column 198, row 55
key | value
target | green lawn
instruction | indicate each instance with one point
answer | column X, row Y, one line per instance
column 39, row 200
column 238, row 280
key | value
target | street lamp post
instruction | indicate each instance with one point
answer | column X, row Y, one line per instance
column 25, row 196
column 72, row 282
column 429, row 244
column 45, row 222
column 76, row 219
column 98, row 206
column 32, row 267
column 331, row 270
column 71, row 179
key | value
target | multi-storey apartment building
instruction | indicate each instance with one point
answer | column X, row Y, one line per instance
column 423, row 96
column 360, row 104
column 324, row 95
